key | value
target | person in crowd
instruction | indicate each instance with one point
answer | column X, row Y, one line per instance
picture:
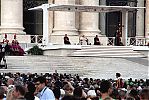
column 66, row 39
column 57, row 93
column 119, row 81
column 43, row 92
column 134, row 93
column 78, row 92
column 68, row 88
column 10, row 82
column 19, row 92
column 106, row 90
column 97, row 91
column 96, row 40
column 9, row 95
column 70, row 97
column 30, row 94
column 144, row 94
column 2, row 92
column 122, row 93
column 83, row 40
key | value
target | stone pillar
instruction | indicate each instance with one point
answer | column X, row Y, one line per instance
column 140, row 20
column 12, row 16
column 64, row 22
column 103, row 19
column 89, row 22
column 125, row 28
column 147, row 19
column 51, row 21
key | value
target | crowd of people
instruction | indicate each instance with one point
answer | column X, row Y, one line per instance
column 17, row 86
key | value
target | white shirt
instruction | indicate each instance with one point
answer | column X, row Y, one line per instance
column 46, row 94
column 36, row 98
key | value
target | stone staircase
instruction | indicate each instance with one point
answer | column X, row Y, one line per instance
column 90, row 61
column 95, row 67
column 106, row 51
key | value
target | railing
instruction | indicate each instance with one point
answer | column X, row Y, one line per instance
column 131, row 41
column 138, row 41
column 36, row 38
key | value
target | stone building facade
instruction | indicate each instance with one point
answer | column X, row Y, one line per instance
column 15, row 18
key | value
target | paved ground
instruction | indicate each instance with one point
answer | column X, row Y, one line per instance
column 94, row 67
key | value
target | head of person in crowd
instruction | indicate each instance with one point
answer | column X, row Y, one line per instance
column 70, row 97
column 144, row 94
column 97, row 91
column 91, row 94
column 118, row 75
column 78, row 92
column 130, row 98
column 19, row 92
column 2, row 92
column 105, row 89
column 40, row 83
column 115, row 94
column 134, row 93
column 122, row 93
column 57, row 93
column 10, row 81
column 31, row 89
column 68, row 89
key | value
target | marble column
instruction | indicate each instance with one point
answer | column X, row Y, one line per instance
column 89, row 22
column 125, row 28
column 12, row 16
column 140, row 20
column 51, row 21
column 147, row 19
column 64, row 22
column 103, row 19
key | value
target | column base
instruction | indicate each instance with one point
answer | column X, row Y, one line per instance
column 90, row 32
column 62, row 32
column 139, row 36
column 12, row 30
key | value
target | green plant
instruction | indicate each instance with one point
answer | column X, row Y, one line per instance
column 35, row 50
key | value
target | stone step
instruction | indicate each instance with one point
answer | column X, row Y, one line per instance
column 106, row 51
column 95, row 47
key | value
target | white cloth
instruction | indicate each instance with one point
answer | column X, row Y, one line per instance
column 36, row 98
column 83, row 40
column 91, row 93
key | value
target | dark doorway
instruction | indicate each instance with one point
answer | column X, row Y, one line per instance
column 32, row 20
column 113, row 19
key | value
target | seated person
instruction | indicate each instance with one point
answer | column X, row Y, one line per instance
column 66, row 39
column 96, row 40
column 83, row 40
